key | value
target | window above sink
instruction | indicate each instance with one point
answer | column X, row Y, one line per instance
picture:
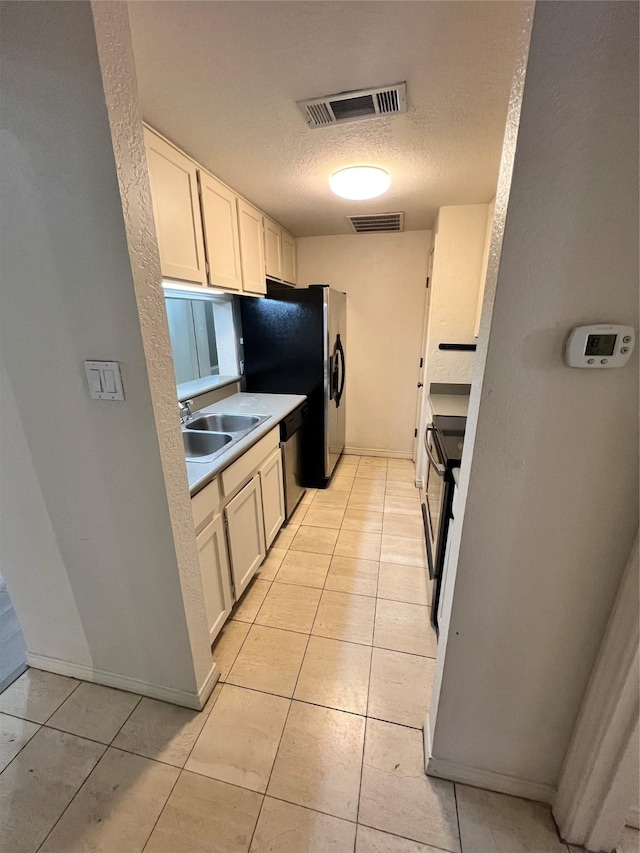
column 204, row 339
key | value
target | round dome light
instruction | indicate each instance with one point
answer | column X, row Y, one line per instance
column 360, row 182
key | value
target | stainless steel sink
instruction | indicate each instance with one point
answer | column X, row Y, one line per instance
column 208, row 435
column 224, row 423
column 199, row 444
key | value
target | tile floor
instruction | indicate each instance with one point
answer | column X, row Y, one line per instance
column 310, row 743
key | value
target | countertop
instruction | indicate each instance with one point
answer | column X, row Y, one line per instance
column 276, row 406
column 449, row 404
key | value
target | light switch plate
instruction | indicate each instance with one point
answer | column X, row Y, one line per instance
column 105, row 381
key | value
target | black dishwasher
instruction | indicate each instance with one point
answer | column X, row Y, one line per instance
column 290, row 432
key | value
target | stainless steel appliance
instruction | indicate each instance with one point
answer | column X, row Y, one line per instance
column 291, row 458
column 443, row 440
column 295, row 342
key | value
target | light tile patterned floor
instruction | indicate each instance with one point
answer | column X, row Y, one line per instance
column 312, row 741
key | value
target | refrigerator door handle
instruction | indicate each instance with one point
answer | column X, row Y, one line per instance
column 333, row 379
column 343, row 368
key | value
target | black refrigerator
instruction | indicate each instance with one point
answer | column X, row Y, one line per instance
column 294, row 343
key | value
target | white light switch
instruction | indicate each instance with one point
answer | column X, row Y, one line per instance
column 105, row 381
column 95, row 381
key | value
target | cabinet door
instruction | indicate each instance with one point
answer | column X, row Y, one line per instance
column 245, row 534
column 273, row 248
column 251, row 248
column 272, row 484
column 220, row 223
column 288, row 258
column 176, row 210
column 216, row 581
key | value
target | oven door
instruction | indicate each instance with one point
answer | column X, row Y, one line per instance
column 433, row 507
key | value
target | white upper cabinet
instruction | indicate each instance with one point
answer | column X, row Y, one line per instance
column 288, row 258
column 176, row 210
column 251, row 248
column 273, row 248
column 220, row 223
column 208, row 235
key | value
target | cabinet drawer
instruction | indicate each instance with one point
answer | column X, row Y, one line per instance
column 205, row 504
column 242, row 469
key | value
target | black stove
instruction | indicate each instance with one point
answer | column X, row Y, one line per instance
column 450, row 433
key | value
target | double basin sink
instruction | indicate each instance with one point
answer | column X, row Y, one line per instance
column 207, row 436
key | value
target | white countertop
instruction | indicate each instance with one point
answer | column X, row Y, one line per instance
column 449, row 404
column 275, row 406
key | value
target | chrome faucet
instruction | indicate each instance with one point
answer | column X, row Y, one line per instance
column 186, row 414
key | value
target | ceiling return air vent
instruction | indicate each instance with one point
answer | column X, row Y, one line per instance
column 355, row 106
column 376, row 223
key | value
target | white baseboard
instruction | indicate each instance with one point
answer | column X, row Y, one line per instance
column 634, row 817
column 489, row 780
column 376, row 451
column 124, row 682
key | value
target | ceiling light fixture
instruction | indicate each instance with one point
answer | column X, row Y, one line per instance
column 360, row 182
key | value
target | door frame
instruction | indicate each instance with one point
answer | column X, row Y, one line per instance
column 423, row 367
column 594, row 797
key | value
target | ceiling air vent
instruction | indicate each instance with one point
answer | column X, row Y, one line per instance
column 375, row 223
column 355, row 106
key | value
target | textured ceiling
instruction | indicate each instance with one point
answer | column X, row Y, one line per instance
column 221, row 79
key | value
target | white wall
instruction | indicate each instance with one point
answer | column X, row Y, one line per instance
column 551, row 481
column 384, row 278
column 87, row 546
column 460, row 236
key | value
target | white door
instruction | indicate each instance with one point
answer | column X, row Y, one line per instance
column 272, row 485
column 176, row 210
column 251, row 248
column 216, row 580
column 220, row 222
column 245, row 534
column 273, row 248
column 288, row 258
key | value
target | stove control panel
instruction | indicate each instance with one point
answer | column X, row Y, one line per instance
column 600, row 345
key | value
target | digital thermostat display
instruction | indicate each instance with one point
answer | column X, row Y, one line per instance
column 600, row 345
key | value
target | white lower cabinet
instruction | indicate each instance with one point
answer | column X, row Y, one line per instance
column 272, row 484
column 245, row 534
column 214, row 568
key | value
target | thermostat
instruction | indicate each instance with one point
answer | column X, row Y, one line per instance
column 599, row 346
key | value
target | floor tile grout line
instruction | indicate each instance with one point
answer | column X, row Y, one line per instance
column 161, row 812
column 406, row 838
column 455, row 799
column 80, row 787
column 40, row 726
column 65, row 698
column 126, row 721
column 181, row 770
column 275, row 757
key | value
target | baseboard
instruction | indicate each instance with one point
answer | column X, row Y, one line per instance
column 489, row 780
column 376, row 451
column 634, row 817
column 124, row 682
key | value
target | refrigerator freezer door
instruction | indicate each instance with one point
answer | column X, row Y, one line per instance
column 335, row 401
